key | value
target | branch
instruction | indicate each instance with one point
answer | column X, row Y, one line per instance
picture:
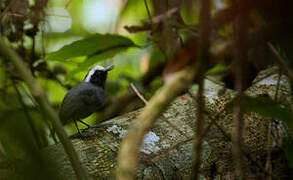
column 281, row 61
column 203, row 58
column 40, row 97
column 28, row 116
column 119, row 104
column 239, row 36
column 128, row 156
column 162, row 116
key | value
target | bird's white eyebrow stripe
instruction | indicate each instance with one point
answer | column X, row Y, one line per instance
column 91, row 72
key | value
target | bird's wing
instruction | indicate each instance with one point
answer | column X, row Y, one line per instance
column 92, row 95
column 67, row 108
column 89, row 97
column 81, row 101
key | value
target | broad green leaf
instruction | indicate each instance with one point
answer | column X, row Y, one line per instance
column 188, row 12
column 135, row 10
column 96, row 58
column 266, row 107
column 94, row 45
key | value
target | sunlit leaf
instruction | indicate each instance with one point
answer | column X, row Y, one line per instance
column 136, row 10
column 96, row 58
column 94, row 45
column 266, row 107
column 189, row 11
column 216, row 69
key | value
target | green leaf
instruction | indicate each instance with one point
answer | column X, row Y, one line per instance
column 94, row 45
column 188, row 12
column 266, row 107
column 135, row 10
column 217, row 69
column 96, row 58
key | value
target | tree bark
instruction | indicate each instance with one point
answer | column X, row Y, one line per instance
column 166, row 153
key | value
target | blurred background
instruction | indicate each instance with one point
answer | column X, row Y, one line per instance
column 151, row 32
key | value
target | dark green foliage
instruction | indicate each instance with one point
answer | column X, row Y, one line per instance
column 21, row 148
column 288, row 148
column 96, row 58
column 97, row 48
column 266, row 107
column 92, row 46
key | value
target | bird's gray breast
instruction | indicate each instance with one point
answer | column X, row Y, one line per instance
column 81, row 101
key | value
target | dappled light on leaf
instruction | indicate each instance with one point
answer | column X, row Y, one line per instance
column 91, row 46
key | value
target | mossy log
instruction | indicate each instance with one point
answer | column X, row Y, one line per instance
column 167, row 149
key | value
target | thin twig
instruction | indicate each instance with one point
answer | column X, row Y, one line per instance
column 166, row 151
column 239, row 36
column 129, row 151
column 138, row 93
column 263, row 77
column 162, row 116
column 148, row 10
column 268, row 166
column 204, row 44
column 7, row 8
column 281, row 61
column 288, row 71
column 40, row 97
column 174, row 126
column 28, row 117
column 52, row 132
column 68, row 3
column 228, row 138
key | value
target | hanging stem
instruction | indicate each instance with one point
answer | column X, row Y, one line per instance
column 128, row 155
column 238, row 64
column 204, row 43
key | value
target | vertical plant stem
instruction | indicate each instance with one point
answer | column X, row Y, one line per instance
column 28, row 117
column 239, row 63
column 204, row 44
column 162, row 116
column 291, row 104
column 288, row 69
column 43, row 115
column 268, row 166
column 148, row 10
column 40, row 97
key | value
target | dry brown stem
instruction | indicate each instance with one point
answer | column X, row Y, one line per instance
column 128, row 156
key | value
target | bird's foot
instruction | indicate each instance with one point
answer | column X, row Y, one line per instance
column 87, row 133
column 84, row 134
column 100, row 126
column 96, row 126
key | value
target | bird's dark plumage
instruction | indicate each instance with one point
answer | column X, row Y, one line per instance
column 85, row 98
column 81, row 101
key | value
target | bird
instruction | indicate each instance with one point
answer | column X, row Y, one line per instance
column 85, row 98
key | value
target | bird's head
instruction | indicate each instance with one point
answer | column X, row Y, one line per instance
column 98, row 75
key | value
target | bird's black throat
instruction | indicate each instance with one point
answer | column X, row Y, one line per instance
column 99, row 78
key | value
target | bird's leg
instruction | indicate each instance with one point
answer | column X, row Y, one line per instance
column 79, row 131
column 97, row 126
column 82, row 135
column 89, row 126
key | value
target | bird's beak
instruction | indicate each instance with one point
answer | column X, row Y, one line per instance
column 109, row 68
